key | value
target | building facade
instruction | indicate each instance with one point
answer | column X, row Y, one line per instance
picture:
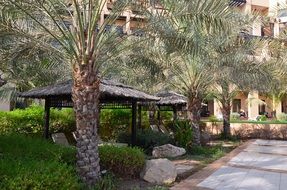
column 254, row 103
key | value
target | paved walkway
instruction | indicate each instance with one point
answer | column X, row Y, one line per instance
column 256, row 165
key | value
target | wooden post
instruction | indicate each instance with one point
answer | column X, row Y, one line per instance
column 158, row 116
column 47, row 118
column 134, row 122
column 140, row 116
column 174, row 113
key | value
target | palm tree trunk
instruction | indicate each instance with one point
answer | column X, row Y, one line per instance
column 85, row 96
column 194, row 108
column 152, row 111
column 226, row 110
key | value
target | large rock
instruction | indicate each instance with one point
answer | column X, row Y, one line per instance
column 167, row 150
column 204, row 138
column 159, row 171
column 183, row 169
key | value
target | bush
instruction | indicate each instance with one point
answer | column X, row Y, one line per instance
column 216, row 151
column 234, row 116
column 261, row 118
column 107, row 182
column 31, row 163
column 213, row 119
column 183, row 134
column 147, row 139
column 122, row 161
column 281, row 116
column 31, row 120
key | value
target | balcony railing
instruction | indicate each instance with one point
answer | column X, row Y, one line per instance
column 237, row 2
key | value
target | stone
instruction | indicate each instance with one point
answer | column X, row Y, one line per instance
column 159, row 171
column 204, row 138
column 182, row 169
column 168, row 151
column 60, row 138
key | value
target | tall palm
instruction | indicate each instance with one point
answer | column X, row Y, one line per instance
column 75, row 33
column 85, row 42
column 185, row 31
column 192, row 76
column 237, row 70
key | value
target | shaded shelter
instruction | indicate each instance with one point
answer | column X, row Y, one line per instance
column 171, row 101
column 112, row 95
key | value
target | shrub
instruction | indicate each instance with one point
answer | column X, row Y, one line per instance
column 31, row 163
column 183, row 134
column 122, row 161
column 216, row 151
column 31, row 120
column 213, row 119
column 147, row 139
column 261, row 118
column 107, row 182
column 234, row 116
column 281, row 116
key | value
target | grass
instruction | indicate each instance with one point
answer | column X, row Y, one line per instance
column 254, row 122
column 32, row 163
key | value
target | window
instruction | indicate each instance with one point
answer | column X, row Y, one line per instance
column 262, row 108
column 236, row 105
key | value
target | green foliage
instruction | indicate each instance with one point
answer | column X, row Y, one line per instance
column 213, row 119
column 261, row 118
column 117, row 121
column 31, row 120
column 215, row 151
column 147, row 139
column 107, row 182
column 234, row 116
column 281, row 116
column 183, row 134
column 32, row 163
column 113, row 122
column 122, row 161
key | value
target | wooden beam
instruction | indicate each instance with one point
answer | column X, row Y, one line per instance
column 47, row 118
column 174, row 113
column 158, row 116
column 139, row 116
column 134, row 122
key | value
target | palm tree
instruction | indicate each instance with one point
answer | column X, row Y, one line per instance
column 185, row 36
column 78, row 32
column 75, row 32
column 237, row 70
column 192, row 76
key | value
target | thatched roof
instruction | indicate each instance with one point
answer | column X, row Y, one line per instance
column 110, row 90
column 171, row 98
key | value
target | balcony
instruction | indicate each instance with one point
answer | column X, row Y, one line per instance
column 261, row 3
column 237, row 2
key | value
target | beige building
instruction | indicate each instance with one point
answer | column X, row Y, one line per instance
column 253, row 103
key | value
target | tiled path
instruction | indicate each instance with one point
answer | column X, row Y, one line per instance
column 256, row 165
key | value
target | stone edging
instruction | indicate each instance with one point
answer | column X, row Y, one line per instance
column 191, row 182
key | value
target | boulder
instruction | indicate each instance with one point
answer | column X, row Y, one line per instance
column 167, row 150
column 159, row 171
column 204, row 138
column 183, row 169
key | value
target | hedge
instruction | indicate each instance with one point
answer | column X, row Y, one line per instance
column 31, row 120
column 122, row 161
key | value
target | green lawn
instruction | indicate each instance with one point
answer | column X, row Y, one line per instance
column 254, row 122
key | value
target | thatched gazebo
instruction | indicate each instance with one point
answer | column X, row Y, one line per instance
column 113, row 95
column 171, row 101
